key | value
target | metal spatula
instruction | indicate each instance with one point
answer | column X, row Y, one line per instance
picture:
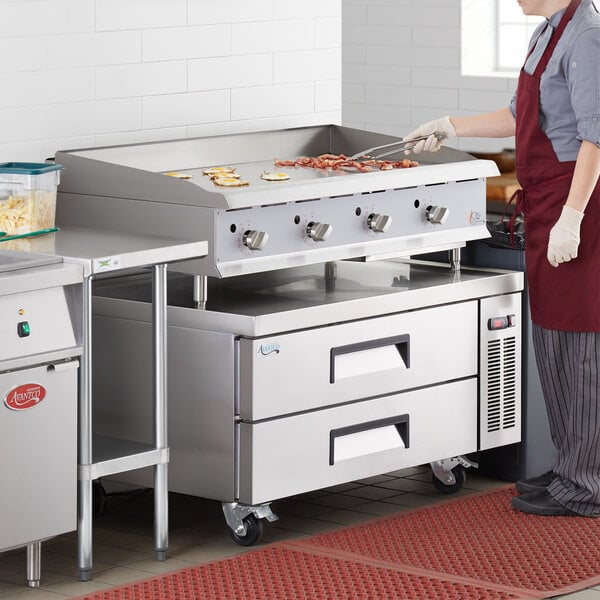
column 399, row 145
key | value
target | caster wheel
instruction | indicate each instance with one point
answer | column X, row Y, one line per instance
column 98, row 498
column 460, row 475
column 254, row 529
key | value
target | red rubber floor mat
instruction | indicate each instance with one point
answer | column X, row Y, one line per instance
column 279, row 573
column 482, row 539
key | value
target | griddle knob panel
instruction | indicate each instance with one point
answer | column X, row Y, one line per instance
column 255, row 240
column 379, row 223
column 437, row 214
column 318, row 232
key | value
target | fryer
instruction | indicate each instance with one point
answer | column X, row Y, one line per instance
column 40, row 315
column 311, row 346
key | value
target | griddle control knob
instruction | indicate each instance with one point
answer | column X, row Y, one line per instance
column 379, row 223
column 255, row 240
column 437, row 214
column 318, row 232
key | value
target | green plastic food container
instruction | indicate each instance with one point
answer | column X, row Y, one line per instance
column 27, row 196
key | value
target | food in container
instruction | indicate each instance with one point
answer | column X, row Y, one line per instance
column 27, row 196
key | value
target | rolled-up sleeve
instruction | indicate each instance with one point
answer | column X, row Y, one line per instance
column 513, row 105
column 582, row 73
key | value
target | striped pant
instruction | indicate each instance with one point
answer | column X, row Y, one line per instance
column 569, row 366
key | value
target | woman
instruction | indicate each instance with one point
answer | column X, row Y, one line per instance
column 555, row 117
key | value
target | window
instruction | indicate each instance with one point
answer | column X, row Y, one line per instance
column 495, row 35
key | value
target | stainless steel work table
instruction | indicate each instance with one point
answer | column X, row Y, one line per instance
column 105, row 252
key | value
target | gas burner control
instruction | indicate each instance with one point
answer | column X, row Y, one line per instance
column 437, row 214
column 318, row 232
column 379, row 223
column 255, row 240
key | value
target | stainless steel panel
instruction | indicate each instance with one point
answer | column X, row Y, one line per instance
column 326, row 366
column 106, row 251
column 200, row 393
column 300, row 298
column 282, row 457
column 36, row 278
column 38, row 457
column 288, row 245
column 11, row 260
column 500, row 358
column 47, row 313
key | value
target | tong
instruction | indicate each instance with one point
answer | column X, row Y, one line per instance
column 399, row 145
column 7, row 238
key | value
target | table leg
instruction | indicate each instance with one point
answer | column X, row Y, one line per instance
column 85, row 508
column 161, row 492
column 34, row 564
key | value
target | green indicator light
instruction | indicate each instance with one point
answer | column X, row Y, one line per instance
column 23, row 329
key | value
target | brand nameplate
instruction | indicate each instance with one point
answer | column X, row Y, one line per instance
column 25, row 396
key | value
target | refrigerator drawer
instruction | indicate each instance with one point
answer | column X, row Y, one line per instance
column 38, row 453
column 311, row 369
column 287, row 456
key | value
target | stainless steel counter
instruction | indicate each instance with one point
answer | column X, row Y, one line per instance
column 294, row 299
column 105, row 252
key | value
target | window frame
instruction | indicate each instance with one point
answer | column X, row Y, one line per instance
column 481, row 42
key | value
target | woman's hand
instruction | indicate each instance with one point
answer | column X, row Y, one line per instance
column 435, row 133
column 496, row 124
column 564, row 237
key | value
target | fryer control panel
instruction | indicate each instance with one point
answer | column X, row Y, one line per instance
column 366, row 219
column 34, row 322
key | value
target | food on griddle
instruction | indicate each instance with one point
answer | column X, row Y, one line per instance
column 213, row 171
column 228, row 181
column 228, row 175
column 178, row 175
column 336, row 162
column 279, row 176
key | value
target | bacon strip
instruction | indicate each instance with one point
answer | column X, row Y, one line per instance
column 336, row 162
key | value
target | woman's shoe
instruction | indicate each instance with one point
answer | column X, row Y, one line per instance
column 535, row 484
column 541, row 503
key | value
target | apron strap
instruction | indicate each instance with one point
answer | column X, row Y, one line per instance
column 518, row 198
column 556, row 35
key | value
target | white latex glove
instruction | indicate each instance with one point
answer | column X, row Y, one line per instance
column 432, row 143
column 564, row 236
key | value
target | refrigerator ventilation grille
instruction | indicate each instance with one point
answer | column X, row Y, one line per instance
column 502, row 382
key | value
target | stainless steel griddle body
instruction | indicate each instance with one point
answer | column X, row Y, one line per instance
column 124, row 188
column 40, row 328
column 291, row 367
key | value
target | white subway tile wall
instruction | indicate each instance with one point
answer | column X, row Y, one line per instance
column 81, row 73
column 401, row 67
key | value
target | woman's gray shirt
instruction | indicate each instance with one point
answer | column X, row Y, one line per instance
column 570, row 85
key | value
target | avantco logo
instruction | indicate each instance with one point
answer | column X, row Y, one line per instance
column 25, row 396
column 268, row 348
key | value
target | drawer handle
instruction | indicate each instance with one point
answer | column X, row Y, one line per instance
column 367, row 438
column 370, row 356
column 63, row 366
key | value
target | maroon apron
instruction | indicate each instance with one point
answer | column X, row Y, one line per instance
column 566, row 297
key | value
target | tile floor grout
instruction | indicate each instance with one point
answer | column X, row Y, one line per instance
column 123, row 538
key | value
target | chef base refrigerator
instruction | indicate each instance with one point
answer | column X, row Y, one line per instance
column 316, row 376
column 40, row 312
